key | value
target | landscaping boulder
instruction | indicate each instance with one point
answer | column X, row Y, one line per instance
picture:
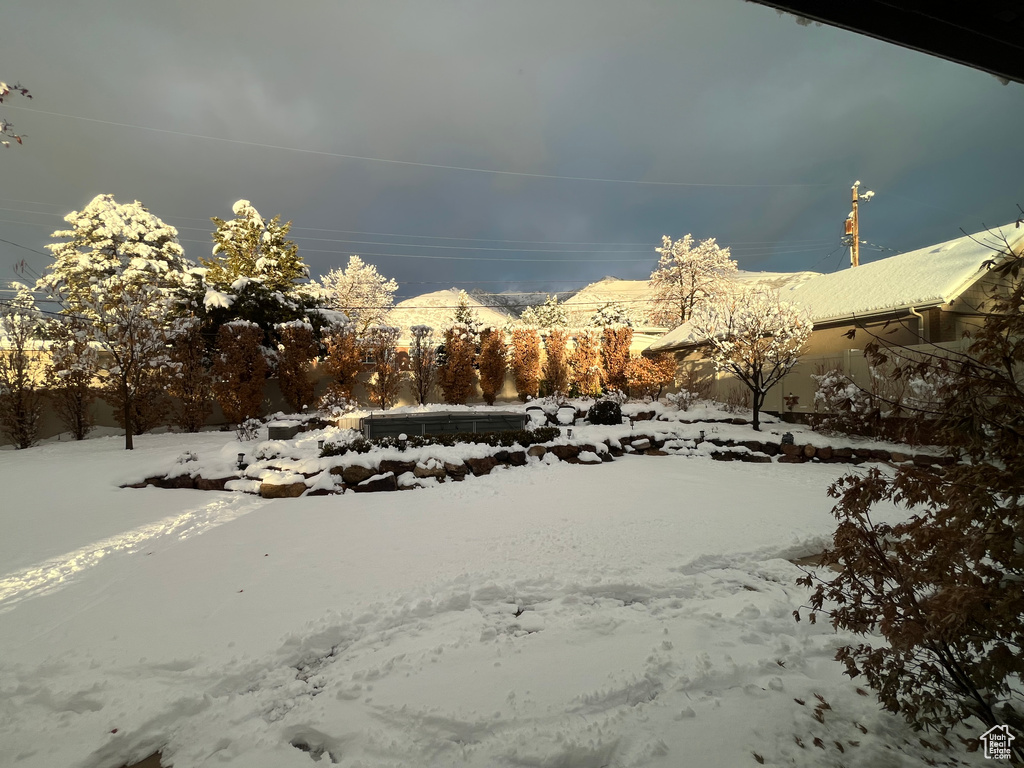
column 771, row 449
column 433, row 469
column 456, row 471
column 565, row 452
column 655, row 452
column 880, row 454
column 398, row 467
column 537, row 451
column 517, row 458
column 641, row 444
column 588, row 457
column 899, row 457
column 644, row 416
column 284, row 491
column 809, row 451
column 482, row 466
column 356, row 474
column 824, row 453
column 788, row 449
column 755, row 458
column 212, row 484
column 181, row 481
column 797, row 458
column 382, row 482
column 723, row 456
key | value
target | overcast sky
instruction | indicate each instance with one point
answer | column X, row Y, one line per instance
column 715, row 117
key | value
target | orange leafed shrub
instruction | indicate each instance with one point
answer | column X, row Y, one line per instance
column 455, row 374
column 295, row 353
column 526, row 362
column 239, row 370
column 615, row 341
column 585, row 364
column 493, row 364
column 556, row 363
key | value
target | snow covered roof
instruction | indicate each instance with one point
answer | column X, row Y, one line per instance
column 436, row 310
column 929, row 276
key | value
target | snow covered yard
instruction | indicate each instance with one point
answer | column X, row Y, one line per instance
column 637, row 613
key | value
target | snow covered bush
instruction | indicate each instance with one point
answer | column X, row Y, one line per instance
column 493, row 363
column 295, row 354
column 191, row 381
column 239, row 370
column 944, row 589
column 455, row 374
column 380, row 343
column 248, row 430
column 525, row 362
column 556, row 362
column 613, row 313
column 605, row 411
column 550, row 314
column 73, row 367
column 21, row 372
column 687, row 276
column 755, row 336
column 422, row 361
column 694, row 387
column 585, row 364
column 615, row 341
column 359, row 291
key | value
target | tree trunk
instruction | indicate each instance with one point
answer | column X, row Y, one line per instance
column 758, row 401
column 129, row 444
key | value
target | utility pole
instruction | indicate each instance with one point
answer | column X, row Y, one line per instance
column 852, row 233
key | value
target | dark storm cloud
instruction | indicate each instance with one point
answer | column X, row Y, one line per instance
column 720, row 93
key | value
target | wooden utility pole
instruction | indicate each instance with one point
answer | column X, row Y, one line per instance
column 855, row 247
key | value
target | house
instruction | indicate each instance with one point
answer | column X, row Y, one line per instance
column 923, row 300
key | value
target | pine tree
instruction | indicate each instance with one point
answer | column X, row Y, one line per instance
column 295, row 353
column 550, row 314
column 613, row 313
column 687, row 276
column 360, row 291
column 493, row 363
column 525, row 362
column 585, row 364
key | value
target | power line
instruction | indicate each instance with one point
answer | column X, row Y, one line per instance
column 410, row 163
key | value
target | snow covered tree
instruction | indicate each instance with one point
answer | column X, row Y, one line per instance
column 254, row 274
column 466, row 316
column 612, row 313
column 455, row 368
column 6, row 129
column 191, row 381
column 646, row 377
column 686, row 276
column 755, row 336
column 493, row 363
column 423, row 361
column 556, row 361
column 344, row 359
column 385, row 382
column 615, row 341
column 359, row 291
column 550, row 314
column 121, row 271
column 239, row 370
column 295, row 353
column 21, row 372
column 74, row 365
column 525, row 362
column 585, row 364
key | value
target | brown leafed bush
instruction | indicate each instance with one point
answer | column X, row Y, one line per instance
column 380, row 342
column 422, row 361
column 585, row 365
column 455, row 373
column 556, row 362
column 295, row 354
column 646, row 377
column 239, row 370
column 525, row 362
column 191, row 381
column 943, row 589
column 344, row 359
column 615, row 341
column 493, row 363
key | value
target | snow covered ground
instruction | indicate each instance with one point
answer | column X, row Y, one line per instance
column 636, row 613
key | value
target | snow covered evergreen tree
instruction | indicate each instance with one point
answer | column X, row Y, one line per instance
column 612, row 314
column 74, row 364
column 359, row 291
column 466, row 316
column 550, row 314
column 755, row 336
column 254, row 274
column 686, row 276
column 21, row 372
column 121, row 272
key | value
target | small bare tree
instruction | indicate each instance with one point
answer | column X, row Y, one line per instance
column 423, row 361
column 386, row 381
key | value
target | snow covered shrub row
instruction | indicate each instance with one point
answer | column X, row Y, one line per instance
column 503, row 439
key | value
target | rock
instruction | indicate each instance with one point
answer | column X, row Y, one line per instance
column 564, row 452
column 501, row 456
column 607, row 456
column 655, row 452
column 644, row 416
column 213, row 484
column 792, row 459
column 899, row 457
column 809, row 451
column 723, row 456
column 590, row 457
column 322, row 492
column 771, row 449
column 436, row 470
column 615, row 451
column 482, row 466
column 143, row 484
column 356, row 474
column 792, row 450
column 537, row 451
column 383, row 482
column 824, row 453
column 398, row 467
column 588, row 447
column 517, row 458
column 456, row 471
column 879, row 454
column 756, row 458
column 754, row 445
column 740, row 422
column 842, row 453
column 286, row 491
column 641, row 444
column 926, row 460
column 181, row 481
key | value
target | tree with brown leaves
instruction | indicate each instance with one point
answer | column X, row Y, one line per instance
column 455, row 373
column 386, row 380
column 493, row 363
column 556, row 361
column 585, row 364
column 295, row 355
column 239, row 370
column 615, row 341
column 191, row 381
column 525, row 362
